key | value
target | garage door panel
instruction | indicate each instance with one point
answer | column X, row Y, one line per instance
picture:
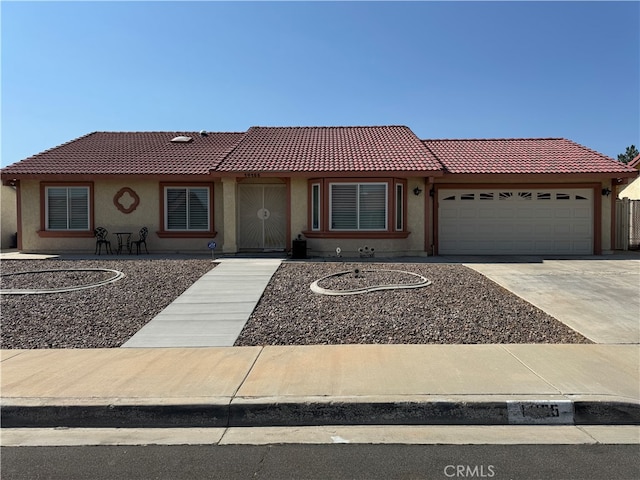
column 484, row 212
column 523, row 229
column 525, row 212
column 564, row 213
column 467, row 213
column 565, row 230
column 545, row 213
column 467, row 229
column 582, row 213
column 581, row 230
column 505, row 212
column 582, row 245
column 531, row 221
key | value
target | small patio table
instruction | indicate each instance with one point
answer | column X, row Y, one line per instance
column 123, row 241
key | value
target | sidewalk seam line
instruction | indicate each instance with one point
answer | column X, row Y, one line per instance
column 580, row 427
column 534, row 372
column 235, row 392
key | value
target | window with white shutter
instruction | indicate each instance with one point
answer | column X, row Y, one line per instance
column 358, row 206
column 187, row 208
column 67, row 208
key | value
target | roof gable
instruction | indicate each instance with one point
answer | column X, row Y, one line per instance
column 521, row 156
column 635, row 163
column 330, row 149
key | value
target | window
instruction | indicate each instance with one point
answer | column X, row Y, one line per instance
column 187, row 208
column 358, row 206
column 399, row 207
column 315, row 206
column 67, row 208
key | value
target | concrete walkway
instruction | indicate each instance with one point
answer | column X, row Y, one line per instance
column 213, row 311
column 322, row 385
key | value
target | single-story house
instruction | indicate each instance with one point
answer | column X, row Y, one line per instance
column 632, row 191
column 348, row 187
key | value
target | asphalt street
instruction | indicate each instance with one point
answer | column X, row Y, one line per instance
column 299, row 462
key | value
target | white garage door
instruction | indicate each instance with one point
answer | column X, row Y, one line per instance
column 515, row 222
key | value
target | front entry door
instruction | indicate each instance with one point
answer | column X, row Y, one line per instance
column 262, row 212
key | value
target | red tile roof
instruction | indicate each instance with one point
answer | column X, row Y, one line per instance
column 522, row 156
column 635, row 163
column 130, row 153
column 309, row 150
column 330, row 149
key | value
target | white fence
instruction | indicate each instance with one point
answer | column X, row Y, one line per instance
column 627, row 224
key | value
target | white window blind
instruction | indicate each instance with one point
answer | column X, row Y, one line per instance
column 358, row 206
column 187, row 208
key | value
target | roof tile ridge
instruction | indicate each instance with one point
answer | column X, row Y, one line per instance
column 224, row 158
column 440, row 163
column 172, row 132
column 490, row 139
column 319, row 127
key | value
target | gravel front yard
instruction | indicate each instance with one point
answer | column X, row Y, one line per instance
column 461, row 306
column 105, row 316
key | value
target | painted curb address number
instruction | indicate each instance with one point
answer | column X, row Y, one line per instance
column 540, row 412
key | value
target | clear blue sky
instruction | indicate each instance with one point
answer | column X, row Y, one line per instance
column 445, row 69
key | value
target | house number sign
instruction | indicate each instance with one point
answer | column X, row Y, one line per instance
column 558, row 412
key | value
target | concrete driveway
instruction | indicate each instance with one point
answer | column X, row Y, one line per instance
column 599, row 297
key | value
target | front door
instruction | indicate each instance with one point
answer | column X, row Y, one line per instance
column 262, row 212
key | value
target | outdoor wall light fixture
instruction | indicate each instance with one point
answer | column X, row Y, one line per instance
column 606, row 192
column 417, row 191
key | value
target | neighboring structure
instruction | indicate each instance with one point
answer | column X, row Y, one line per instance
column 9, row 217
column 628, row 213
column 341, row 187
column 632, row 191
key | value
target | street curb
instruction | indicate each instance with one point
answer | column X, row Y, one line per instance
column 326, row 412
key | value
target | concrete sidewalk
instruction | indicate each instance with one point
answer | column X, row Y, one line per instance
column 322, row 385
column 213, row 311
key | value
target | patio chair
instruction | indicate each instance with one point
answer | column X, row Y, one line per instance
column 101, row 239
column 142, row 240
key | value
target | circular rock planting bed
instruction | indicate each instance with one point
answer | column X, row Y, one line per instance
column 460, row 306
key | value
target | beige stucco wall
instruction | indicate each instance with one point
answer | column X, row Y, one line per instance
column 419, row 210
column 9, row 224
column 107, row 215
